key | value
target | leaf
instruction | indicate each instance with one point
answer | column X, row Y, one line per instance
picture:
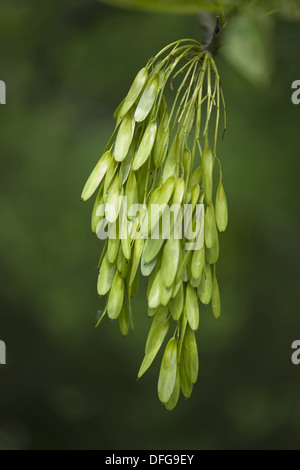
column 135, row 90
column 185, row 383
column 106, row 276
column 205, row 289
column 165, row 293
column 188, row 7
column 212, row 254
column 156, row 337
column 96, row 176
column 97, row 217
column 131, row 192
column 153, row 339
column 197, row 264
column 207, row 168
column 210, row 227
column 162, row 140
column 152, row 248
column 147, row 268
column 160, row 197
column 124, row 320
column 178, row 191
column 137, row 253
column 147, row 99
column 215, row 298
column 190, row 354
column 112, row 206
column 221, row 208
column 126, row 163
column 172, row 161
column 124, row 137
column 172, row 402
column 153, row 299
column 170, row 261
column 192, row 307
column 116, row 297
column 125, row 240
column 168, row 369
column 195, row 178
column 176, row 304
column 145, row 146
column 249, row 46
column 147, row 361
column 122, row 264
column 112, row 249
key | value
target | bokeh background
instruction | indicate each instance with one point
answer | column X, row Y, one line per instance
column 67, row 65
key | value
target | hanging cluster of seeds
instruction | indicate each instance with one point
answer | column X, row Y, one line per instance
column 164, row 156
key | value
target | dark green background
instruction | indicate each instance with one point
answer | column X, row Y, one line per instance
column 67, row 385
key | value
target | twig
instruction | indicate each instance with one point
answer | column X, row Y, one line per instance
column 214, row 45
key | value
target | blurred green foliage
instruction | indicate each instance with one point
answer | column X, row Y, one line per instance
column 68, row 385
column 184, row 7
column 250, row 28
column 287, row 8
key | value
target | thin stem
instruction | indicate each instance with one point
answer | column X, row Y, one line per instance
column 198, row 121
column 186, row 96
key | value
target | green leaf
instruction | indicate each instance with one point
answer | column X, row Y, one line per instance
column 153, row 299
column 116, row 297
column 215, row 299
column 162, row 140
column 145, row 146
column 172, row 402
column 207, row 169
column 167, row 374
column 135, row 90
column 170, row 261
column 205, row 289
column 198, row 261
column 185, row 383
column 190, row 354
column 156, row 337
column 176, row 304
column 173, row 158
column 153, row 339
column 112, row 249
column 221, row 208
column 124, row 137
column 188, row 7
column 147, row 99
column 124, row 320
column 106, row 276
column 210, row 227
column 152, row 248
column 137, row 253
column 96, row 176
column 147, row 268
column 192, row 308
column 249, row 45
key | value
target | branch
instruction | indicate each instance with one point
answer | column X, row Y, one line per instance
column 215, row 43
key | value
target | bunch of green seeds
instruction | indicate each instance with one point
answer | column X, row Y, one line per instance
column 166, row 155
